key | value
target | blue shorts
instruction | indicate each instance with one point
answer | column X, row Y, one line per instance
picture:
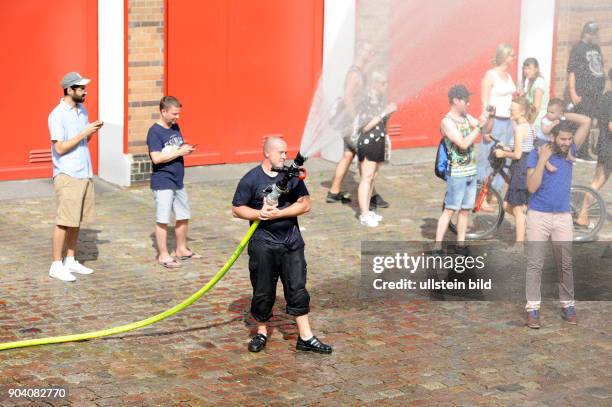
column 460, row 192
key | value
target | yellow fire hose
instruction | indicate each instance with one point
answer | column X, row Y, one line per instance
column 144, row 322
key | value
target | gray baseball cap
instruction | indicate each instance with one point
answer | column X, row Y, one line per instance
column 74, row 79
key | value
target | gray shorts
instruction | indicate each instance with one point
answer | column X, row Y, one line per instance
column 167, row 200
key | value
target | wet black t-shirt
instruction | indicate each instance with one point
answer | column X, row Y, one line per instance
column 251, row 192
column 587, row 64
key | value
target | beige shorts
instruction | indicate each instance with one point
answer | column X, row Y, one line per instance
column 75, row 200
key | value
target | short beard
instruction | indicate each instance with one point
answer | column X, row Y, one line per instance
column 77, row 99
column 558, row 150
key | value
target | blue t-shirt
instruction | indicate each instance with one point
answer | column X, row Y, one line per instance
column 555, row 189
column 166, row 175
column 251, row 192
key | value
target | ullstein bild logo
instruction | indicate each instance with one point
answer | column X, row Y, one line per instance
column 412, row 264
column 403, row 270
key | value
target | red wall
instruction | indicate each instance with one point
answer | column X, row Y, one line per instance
column 461, row 44
column 42, row 41
column 242, row 69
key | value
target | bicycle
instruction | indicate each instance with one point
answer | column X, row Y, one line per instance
column 483, row 223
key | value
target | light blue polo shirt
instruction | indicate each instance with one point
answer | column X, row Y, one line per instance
column 66, row 123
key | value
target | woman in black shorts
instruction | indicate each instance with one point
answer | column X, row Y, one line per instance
column 523, row 113
column 372, row 125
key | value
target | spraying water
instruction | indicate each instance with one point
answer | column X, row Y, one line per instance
column 416, row 45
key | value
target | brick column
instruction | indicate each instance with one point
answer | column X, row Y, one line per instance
column 145, row 78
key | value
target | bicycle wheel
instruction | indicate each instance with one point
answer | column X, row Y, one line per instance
column 587, row 201
column 482, row 223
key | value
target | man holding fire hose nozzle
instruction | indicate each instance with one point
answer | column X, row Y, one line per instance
column 276, row 248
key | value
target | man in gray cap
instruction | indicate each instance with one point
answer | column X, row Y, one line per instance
column 72, row 174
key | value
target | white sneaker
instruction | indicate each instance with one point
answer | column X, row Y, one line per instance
column 75, row 267
column 61, row 273
column 368, row 220
column 375, row 216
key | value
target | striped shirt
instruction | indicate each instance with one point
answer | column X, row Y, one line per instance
column 528, row 141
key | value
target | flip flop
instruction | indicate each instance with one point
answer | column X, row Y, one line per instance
column 192, row 256
column 172, row 264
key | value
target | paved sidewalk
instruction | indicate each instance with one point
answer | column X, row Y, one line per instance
column 417, row 353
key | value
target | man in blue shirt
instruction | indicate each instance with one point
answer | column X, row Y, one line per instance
column 549, row 215
column 72, row 174
column 166, row 149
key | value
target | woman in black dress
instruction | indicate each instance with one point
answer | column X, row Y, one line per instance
column 372, row 130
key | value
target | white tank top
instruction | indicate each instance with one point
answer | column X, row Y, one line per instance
column 501, row 94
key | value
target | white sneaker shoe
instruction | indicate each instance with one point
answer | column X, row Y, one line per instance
column 368, row 220
column 375, row 216
column 61, row 273
column 75, row 267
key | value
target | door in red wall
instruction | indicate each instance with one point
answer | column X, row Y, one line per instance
column 43, row 40
column 443, row 43
column 242, row 69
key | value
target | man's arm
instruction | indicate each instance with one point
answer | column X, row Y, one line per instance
column 584, row 127
column 573, row 64
column 268, row 212
column 159, row 158
column 299, row 207
column 571, row 80
column 65, row 146
column 450, row 130
column 535, row 174
column 245, row 212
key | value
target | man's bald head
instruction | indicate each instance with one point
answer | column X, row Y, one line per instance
column 273, row 142
column 275, row 151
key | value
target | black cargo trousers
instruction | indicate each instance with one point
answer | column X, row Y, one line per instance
column 268, row 262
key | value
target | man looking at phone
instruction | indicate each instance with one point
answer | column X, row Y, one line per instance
column 72, row 174
column 166, row 149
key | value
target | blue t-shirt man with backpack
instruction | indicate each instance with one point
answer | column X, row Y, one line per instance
column 459, row 131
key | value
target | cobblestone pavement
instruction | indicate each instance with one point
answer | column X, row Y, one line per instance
column 385, row 352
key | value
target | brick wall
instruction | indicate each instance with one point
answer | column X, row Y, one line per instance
column 572, row 14
column 145, row 70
